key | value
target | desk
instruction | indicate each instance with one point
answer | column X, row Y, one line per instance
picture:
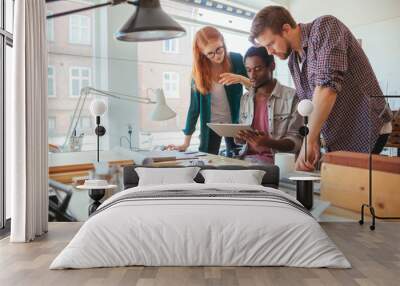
column 73, row 168
column 208, row 159
column 63, row 167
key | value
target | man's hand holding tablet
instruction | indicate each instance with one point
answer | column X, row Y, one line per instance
column 257, row 139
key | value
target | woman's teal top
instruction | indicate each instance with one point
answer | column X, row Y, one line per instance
column 200, row 105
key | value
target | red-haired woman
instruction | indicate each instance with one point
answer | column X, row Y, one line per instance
column 216, row 90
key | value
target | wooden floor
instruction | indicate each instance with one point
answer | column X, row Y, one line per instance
column 375, row 257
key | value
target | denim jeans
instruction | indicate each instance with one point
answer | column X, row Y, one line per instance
column 214, row 144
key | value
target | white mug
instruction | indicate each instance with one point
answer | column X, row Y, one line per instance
column 285, row 162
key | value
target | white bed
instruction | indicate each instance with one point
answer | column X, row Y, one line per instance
column 202, row 231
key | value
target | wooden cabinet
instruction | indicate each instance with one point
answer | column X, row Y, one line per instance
column 345, row 182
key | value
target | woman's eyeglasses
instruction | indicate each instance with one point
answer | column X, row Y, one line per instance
column 218, row 51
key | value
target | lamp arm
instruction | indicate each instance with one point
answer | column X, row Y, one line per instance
column 109, row 3
column 82, row 99
column 77, row 10
column 76, row 115
column 121, row 96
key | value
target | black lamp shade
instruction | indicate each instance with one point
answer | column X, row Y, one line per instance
column 149, row 23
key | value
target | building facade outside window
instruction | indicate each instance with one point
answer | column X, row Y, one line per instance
column 52, row 121
column 85, row 123
column 79, row 30
column 171, row 84
column 171, row 46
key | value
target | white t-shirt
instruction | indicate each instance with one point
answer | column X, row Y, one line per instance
column 220, row 110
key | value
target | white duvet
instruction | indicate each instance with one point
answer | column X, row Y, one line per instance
column 193, row 231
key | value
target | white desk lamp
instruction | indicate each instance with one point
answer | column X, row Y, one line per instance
column 304, row 185
column 161, row 111
column 305, row 108
column 98, row 107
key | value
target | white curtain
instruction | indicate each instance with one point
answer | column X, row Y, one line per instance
column 26, row 141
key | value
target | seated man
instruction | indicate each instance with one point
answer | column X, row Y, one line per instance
column 270, row 108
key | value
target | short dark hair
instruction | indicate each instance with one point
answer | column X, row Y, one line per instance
column 260, row 52
column 272, row 17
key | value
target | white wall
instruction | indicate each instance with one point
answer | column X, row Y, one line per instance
column 351, row 12
column 376, row 23
column 381, row 42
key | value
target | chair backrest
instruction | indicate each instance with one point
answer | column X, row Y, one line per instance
column 58, row 205
column 270, row 179
column 394, row 138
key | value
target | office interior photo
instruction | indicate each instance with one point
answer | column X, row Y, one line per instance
column 199, row 142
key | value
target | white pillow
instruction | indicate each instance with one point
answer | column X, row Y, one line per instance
column 166, row 176
column 248, row 177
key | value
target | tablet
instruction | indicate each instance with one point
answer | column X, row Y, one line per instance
column 228, row 130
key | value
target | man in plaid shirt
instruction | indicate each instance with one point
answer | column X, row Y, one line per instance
column 328, row 66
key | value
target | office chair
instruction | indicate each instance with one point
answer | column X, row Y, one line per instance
column 58, row 202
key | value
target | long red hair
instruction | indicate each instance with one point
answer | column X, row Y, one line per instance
column 201, row 72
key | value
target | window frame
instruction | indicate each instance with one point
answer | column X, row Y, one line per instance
column 6, row 40
column 81, row 121
column 80, row 68
column 168, row 50
column 53, row 77
column 52, row 130
column 79, row 41
column 177, row 82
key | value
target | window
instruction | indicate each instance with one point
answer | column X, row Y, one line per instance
column 50, row 27
column 171, row 84
column 51, row 82
column 85, row 126
column 79, row 77
column 124, row 68
column 9, row 15
column 171, row 46
column 72, row 57
column 79, row 29
column 52, row 124
column 6, row 62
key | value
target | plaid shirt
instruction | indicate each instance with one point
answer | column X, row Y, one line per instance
column 333, row 58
